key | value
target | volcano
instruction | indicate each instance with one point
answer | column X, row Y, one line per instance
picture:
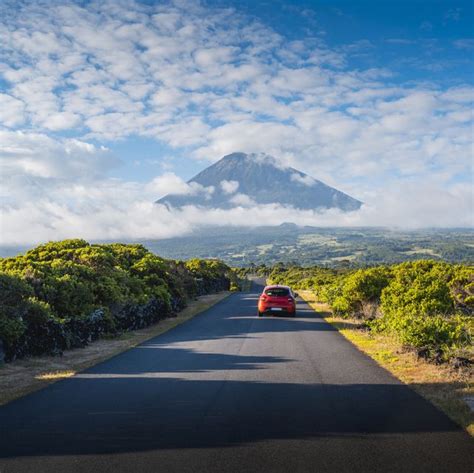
column 240, row 179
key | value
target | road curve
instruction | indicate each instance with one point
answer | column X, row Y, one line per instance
column 230, row 392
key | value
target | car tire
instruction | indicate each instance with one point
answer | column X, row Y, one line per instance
column 260, row 314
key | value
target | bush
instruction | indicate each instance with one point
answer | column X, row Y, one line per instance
column 435, row 336
column 428, row 305
column 461, row 287
column 14, row 305
column 419, row 307
column 65, row 294
column 27, row 325
column 359, row 294
column 419, row 288
column 208, row 275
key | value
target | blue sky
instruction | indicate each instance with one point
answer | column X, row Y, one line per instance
column 417, row 41
column 105, row 106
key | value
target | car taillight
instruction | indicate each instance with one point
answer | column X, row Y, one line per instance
column 263, row 298
column 290, row 299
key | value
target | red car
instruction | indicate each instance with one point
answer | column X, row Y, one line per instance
column 277, row 300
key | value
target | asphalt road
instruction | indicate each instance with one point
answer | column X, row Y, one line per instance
column 230, row 392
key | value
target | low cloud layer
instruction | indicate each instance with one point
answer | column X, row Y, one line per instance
column 229, row 187
column 103, row 208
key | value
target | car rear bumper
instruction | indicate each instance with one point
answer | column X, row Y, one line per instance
column 276, row 310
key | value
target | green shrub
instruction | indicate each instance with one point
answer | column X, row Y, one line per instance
column 67, row 293
column 11, row 329
column 420, row 308
column 14, row 305
column 360, row 292
column 419, row 287
column 20, row 313
column 436, row 336
column 428, row 305
column 461, row 287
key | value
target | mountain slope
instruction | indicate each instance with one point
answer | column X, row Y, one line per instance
column 249, row 179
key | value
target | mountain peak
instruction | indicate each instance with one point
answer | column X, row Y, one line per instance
column 235, row 155
column 251, row 158
column 241, row 179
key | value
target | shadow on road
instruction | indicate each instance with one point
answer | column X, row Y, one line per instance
column 89, row 418
column 154, row 358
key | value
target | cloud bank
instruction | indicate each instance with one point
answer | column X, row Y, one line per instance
column 208, row 81
column 113, row 209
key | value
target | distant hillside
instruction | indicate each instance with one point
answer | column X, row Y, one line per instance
column 334, row 247
column 242, row 246
column 248, row 179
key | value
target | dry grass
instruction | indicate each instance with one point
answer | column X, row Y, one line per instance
column 56, row 375
column 442, row 385
column 24, row 376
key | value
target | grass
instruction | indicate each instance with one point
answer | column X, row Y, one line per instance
column 446, row 388
column 55, row 375
column 314, row 238
column 24, row 376
column 422, row 251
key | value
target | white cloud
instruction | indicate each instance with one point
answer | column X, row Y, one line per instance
column 213, row 57
column 114, row 209
column 12, row 111
column 229, row 187
column 303, row 179
column 168, row 183
column 242, row 200
column 61, row 121
column 168, row 97
column 38, row 155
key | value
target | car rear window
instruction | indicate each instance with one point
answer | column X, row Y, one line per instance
column 277, row 292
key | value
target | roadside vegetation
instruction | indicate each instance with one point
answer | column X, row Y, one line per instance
column 428, row 306
column 63, row 295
